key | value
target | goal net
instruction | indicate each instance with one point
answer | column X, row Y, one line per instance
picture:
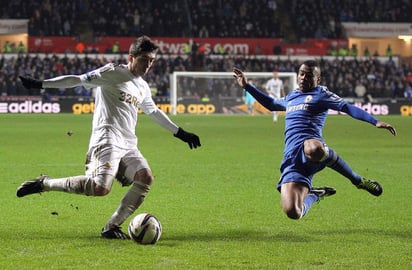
column 217, row 92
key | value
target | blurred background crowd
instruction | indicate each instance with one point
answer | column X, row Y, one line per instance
column 203, row 18
column 293, row 21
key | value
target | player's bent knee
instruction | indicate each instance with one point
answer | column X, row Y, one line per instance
column 292, row 212
column 314, row 150
column 144, row 176
column 100, row 191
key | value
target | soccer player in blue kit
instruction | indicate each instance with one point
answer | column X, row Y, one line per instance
column 306, row 152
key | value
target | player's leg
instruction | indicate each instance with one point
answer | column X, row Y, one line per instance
column 249, row 108
column 293, row 195
column 81, row 184
column 275, row 116
column 295, row 185
column 317, row 151
column 137, row 174
column 101, row 165
column 99, row 185
column 296, row 198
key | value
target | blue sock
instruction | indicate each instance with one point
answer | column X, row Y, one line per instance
column 309, row 200
column 335, row 162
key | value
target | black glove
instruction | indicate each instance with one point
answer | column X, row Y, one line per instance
column 192, row 139
column 31, row 83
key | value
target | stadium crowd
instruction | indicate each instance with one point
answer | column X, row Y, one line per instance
column 207, row 18
column 324, row 18
column 202, row 18
column 346, row 77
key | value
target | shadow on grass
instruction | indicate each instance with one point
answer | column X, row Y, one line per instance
column 224, row 235
column 370, row 232
column 240, row 235
column 285, row 236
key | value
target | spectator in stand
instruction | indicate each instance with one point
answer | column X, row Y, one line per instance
column 187, row 47
column 343, row 51
column 366, row 52
column 3, row 87
column 353, row 50
column 360, row 89
column 408, row 91
column 332, row 50
column 80, row 47
column 116, row 47
column 277, row 49
column 7, row 47
column 388, row 51
column 21, row 48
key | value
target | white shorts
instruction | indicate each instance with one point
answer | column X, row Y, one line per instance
column 108, row 160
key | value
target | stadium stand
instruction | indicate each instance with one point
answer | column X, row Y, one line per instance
column 380, row 79
column 195, row 18
column 323, row 18
column 206, row 18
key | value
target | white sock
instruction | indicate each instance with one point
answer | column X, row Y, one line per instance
column 75, row 184
column 130, row 202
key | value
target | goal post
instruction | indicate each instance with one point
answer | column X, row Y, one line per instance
column 199, row 92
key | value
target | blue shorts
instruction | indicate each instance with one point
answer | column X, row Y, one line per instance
column 297, row 168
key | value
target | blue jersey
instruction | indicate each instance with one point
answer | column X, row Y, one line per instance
column 306, row 114
column 305, row 117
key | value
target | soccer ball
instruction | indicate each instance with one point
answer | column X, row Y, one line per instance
column 145, row 229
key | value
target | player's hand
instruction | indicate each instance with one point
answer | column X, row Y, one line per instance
column 384, row 125
column 190, row 138
column 240, row 77
column 31, row 83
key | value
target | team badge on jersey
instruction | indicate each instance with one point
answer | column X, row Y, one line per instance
column 91, row 75
column 308, row 98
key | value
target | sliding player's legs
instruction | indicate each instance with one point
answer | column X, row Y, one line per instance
column 295, row 185
column 317, row 151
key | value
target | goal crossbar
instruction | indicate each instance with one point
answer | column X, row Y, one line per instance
column 216, row 75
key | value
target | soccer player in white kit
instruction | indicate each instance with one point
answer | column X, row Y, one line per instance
column 113, row 153
column 274, row 87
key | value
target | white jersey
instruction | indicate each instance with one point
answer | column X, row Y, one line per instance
column 119, row 95
column 274, row 87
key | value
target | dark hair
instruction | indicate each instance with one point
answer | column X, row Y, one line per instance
column 141, row 45
column 312, row 64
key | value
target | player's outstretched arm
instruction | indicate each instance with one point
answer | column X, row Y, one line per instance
column 31, row 83
column 263, row 98
column 387, row 126
column 162, row 119
column 65, row 81
column 240, row 77
column 360, row 114
column 190, row 138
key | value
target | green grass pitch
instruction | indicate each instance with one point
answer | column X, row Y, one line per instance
column 218, row 204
